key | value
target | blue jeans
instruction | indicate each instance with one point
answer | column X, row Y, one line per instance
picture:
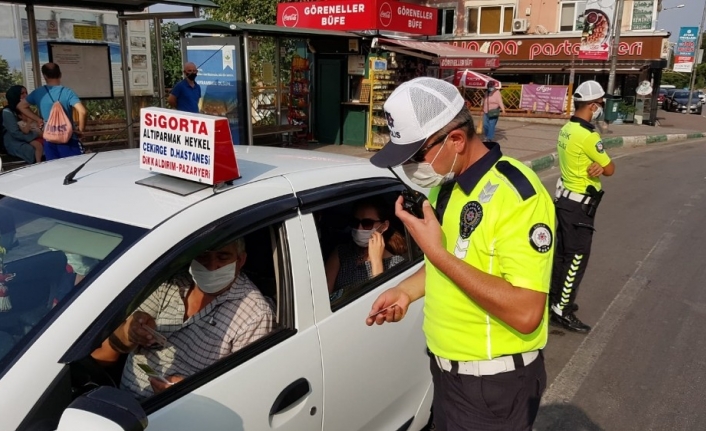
column 489, row 127
column 59, row 151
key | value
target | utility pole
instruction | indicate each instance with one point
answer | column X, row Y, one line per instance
column 696, row 60
column 617, row 22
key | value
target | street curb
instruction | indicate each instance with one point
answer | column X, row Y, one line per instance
column 552, row 160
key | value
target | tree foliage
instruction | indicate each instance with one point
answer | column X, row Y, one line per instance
column 249, row 11
column 6, row 78
column 683, row 80
column 171, row 54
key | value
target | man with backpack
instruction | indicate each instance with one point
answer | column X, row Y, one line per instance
column 55, row 103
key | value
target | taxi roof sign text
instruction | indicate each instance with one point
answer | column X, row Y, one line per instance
column 194, row 147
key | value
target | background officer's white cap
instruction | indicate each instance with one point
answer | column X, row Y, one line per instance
column 416, row 110
column 588, row 91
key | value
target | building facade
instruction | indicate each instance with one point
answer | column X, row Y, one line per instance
column 538, row 41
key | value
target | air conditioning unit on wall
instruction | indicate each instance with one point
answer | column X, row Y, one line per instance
column 520, row 25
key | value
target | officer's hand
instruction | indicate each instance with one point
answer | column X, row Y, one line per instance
column 390, row 306
column 135, row 330
column 426, row 232
column 594, row 170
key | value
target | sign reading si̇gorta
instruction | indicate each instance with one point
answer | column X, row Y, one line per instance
column 194, row 147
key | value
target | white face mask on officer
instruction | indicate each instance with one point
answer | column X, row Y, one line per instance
column 424, row 175
column 597, row 113
column 212, row 281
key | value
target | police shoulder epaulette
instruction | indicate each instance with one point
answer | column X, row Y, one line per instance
column 517, row 179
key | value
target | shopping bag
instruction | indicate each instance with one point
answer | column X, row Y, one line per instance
column 58, row 128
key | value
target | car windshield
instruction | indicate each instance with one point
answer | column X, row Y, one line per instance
column 46, row 257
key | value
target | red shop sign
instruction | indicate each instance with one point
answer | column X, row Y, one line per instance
column 358, row 15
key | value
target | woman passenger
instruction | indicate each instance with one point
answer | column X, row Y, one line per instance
column 21, row 138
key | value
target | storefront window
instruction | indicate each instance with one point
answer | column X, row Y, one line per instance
column 447, row 19
column 572, row 16
column 490, row 19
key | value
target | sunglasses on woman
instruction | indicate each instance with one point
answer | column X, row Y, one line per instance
column 365, row 223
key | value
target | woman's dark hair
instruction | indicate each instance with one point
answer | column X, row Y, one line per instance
column 13, row 96
column 395, row 242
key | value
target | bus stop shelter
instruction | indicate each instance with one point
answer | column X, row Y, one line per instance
column 127, row 10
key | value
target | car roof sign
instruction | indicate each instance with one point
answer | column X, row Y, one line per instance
column 193, row 147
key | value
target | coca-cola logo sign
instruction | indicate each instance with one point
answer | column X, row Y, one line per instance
column 385, row 14
column 290, row 17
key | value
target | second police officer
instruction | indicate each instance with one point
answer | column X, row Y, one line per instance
column 582, row 160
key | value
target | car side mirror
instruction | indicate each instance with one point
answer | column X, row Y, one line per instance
column 106, row 409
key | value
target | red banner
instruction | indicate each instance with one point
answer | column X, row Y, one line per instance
column 358, row 15
column 406, row 17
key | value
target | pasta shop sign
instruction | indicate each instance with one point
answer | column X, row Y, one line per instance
column 630, row 48
column 358, row 15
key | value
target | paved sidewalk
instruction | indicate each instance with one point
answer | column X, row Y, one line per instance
column 535, row 143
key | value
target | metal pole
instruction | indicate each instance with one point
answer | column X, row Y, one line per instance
column 278, row 82
column 160, row 68
column 248, row 90
column 618, row 23
column 696, row 57
column 126, row 79
column 33, row 46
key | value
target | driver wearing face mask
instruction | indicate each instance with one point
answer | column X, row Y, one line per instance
column 186, row 93
column 582, row 160
column 203, row 317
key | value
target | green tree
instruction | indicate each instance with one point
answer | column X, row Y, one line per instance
column 171, row 53
column 17, row 77
column 5, row 75
column 250, row 11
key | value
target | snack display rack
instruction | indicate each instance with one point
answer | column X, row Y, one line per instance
column 298, row 113
column 382, row 83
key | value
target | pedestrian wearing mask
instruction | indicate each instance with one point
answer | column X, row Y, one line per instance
column 488, row 251
column 186, row 93
column 492, row 106
column 582, row 160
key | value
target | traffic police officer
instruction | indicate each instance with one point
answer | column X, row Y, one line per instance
column 583, row 160
column 487, row 261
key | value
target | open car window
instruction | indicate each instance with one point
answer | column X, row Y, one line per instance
column 46, row 257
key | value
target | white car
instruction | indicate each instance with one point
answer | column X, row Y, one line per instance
column 130, row 229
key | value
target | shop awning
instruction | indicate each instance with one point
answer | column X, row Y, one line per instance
column 447, row 56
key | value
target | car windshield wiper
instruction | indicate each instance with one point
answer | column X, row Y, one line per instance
column 69, row 179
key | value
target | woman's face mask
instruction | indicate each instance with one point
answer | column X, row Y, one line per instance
column 212, row 281
column 424, row 175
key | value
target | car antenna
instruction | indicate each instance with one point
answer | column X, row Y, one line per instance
column 69, row 179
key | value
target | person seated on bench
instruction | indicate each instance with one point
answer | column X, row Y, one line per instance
column 22, row 137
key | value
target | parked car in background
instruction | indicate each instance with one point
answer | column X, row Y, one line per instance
column 667, row 95
column 661, row 96
column 679, row 99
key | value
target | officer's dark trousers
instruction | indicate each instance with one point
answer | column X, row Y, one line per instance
column 501, row 402
column 574, row 234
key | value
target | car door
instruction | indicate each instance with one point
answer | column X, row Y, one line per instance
column 375, row 378
column 278, row 385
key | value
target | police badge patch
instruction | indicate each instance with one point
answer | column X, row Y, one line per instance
column 599, row 146
column 471, row 216
column 540, row 237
